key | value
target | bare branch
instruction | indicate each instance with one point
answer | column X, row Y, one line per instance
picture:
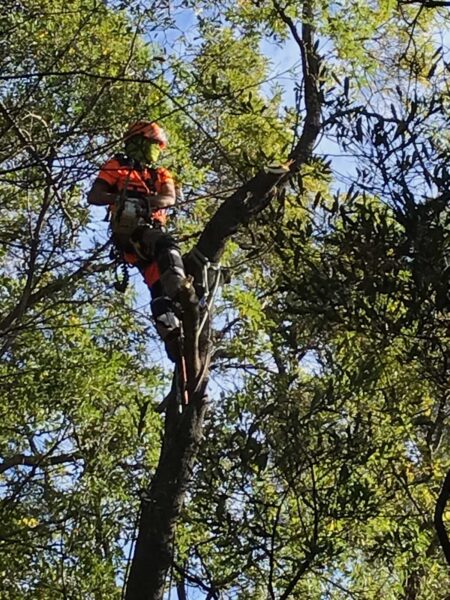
column 38, row 460
column 425, row 3
column 32, row 299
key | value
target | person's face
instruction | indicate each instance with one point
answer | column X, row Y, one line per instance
column 143, row 149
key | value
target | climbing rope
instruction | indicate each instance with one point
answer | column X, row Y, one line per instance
column 207, row 299
column 182, row 373
column 133, row 542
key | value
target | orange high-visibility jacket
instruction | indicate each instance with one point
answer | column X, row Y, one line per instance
column 119, row 172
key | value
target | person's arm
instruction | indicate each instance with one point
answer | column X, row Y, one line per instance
column 166, row 196
column 100, row 193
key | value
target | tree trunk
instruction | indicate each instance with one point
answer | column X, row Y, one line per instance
column 161, row 506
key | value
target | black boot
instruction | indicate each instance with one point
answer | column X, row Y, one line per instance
column 168, row 326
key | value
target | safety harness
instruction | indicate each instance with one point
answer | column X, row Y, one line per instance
column 128, row 213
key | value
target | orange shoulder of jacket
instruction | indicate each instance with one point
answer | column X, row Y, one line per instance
column 164, row 175
column 109, row 172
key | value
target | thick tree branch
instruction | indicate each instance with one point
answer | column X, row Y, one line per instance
column 441, row 503
column 254, row 196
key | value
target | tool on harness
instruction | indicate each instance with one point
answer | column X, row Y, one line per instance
column 128, row 214
column 122, row 276
column 122, row 279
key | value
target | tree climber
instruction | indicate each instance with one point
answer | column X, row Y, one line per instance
column 138, row 193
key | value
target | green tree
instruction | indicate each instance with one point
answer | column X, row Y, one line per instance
column 316, row 471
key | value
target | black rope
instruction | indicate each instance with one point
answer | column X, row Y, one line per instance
column 133, row 541
column 298, row 104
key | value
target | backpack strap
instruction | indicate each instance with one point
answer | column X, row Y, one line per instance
column 151, row 183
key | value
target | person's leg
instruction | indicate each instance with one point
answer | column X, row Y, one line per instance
column 156, row 245
column 167, row 322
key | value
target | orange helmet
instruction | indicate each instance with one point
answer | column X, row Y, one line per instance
column 149, row 130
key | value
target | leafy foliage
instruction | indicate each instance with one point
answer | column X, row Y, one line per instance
column 327, row 436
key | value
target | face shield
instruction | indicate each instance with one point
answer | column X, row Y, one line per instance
column 152, row 151
column 143, row 150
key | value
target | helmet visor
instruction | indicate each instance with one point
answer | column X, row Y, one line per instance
column 152, row 151
column 143, row 149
